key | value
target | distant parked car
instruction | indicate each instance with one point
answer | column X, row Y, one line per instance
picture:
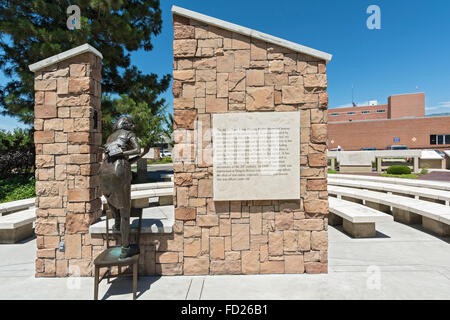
column 165, row 154
column 398, row 147
column 369, row 149
column 442, row 154
column 337, row 149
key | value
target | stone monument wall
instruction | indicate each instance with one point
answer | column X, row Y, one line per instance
column 67, row 137
column 217, row 71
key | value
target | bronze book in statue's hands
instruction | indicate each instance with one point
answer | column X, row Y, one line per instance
column 113, row 150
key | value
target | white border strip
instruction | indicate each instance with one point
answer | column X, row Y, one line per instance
column 64, row 56
column 251, row 33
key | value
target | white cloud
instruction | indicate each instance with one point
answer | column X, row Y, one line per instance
column 358, row 104
column 441, row 106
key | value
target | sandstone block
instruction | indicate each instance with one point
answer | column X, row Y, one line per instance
column 185, row 213
column 45, row 112
column 181, row 31
column 196, row 266
column 276, row 243
column 184, row 75
column 317, row 160
column 284, row 221
column 207, row 220
column 315, row 81
column 272, row 267
column 255, row 78
column 192, row 247
column 73, row 246
column 184, row 118
column 260, row 98
column 319, row 133
column 240, row 236
column 319, row 240
column 217, row 248
column 225, row 267
column 184, row 48
column 294, row 264
column 316, row 206
column 250, row 262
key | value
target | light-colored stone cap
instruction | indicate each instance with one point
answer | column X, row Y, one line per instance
column 64, row 56
column 251, row 33
column 377, row 153
column 430, row 155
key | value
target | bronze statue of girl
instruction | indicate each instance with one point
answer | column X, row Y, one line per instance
column 115, row 176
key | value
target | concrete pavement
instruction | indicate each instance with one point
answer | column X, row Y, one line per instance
column 403, row 262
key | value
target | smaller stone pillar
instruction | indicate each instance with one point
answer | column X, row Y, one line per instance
column 67, row 138
column 416, row 165
column 333, row 164
column 379, row 162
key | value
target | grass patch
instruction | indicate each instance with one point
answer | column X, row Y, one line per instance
column 332, row 172
column 160, row 161
column 404, row 176
column 17, row 187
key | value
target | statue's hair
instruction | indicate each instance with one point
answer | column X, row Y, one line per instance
column 124, row 122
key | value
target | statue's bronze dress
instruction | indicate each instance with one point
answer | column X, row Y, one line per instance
column 115, row 172
column 115, row 176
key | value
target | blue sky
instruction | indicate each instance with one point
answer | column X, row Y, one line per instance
column 409, row 54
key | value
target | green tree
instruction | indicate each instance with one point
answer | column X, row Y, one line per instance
column 168, row 129
column 31, row 30
column 149, row 125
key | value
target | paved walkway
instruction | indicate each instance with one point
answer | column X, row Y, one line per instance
column 403, row 262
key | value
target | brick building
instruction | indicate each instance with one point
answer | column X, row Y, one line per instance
column 400, row 122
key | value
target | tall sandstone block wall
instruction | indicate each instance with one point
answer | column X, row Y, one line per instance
column 67, row 138
column 217, row 71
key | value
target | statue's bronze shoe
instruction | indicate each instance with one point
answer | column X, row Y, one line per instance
column 125, row 252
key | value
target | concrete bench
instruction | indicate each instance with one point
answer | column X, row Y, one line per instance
column 439, row 185
column 14, row 206
column 151, row 186
column 357, row 220
column 433, row 195
column 140, row 198
column 433, row 216
column 154, row 220
column 17, row 226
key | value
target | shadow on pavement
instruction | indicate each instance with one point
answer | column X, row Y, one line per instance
column 124, row 285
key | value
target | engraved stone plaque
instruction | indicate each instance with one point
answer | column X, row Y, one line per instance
column 256, row 156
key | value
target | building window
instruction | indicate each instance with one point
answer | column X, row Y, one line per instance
column 365, row 112
column 381, row 111
column 334, row 114
column 433, row 139
column 437, row 139
column 350, row 113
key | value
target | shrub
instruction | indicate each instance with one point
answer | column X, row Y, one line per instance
column 399, row 169
column 17, row 152
column 424, row 171
column 17, row 188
